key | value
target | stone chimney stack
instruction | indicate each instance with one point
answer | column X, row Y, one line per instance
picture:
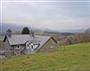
column 32, row 34
column 9, row 33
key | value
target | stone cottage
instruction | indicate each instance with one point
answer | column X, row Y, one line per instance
column 26, row 44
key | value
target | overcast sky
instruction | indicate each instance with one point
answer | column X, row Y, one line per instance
column 57, row 15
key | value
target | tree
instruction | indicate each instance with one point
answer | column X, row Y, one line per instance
column 25, row 30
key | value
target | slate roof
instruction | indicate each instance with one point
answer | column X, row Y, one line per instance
column 21, row 39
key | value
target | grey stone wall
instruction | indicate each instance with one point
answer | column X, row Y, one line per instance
column 50, row 46
column 8, row 49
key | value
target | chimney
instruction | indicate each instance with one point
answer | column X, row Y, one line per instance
column 9, row 33
column 32, row 34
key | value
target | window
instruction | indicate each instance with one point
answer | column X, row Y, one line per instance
column 32, row 45
column 35, row 46
column 17, row 47
column 51, row 47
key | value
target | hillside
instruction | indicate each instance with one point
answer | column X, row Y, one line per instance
column 67, row 58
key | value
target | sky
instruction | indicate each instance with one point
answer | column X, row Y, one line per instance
column 54, row 15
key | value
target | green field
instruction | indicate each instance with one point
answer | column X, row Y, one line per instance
column 69, row 58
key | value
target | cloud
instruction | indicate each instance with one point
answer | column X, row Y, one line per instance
column 47, row 15
column 62, row 24
column 45, row 0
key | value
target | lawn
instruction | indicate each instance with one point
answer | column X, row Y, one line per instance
column 67, row 58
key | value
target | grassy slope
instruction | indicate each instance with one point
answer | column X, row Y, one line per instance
column 70, row 58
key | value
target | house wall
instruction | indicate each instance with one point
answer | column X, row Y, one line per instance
column 18, row 49
column 13, row 50
column 8, row 48
column 50, row 46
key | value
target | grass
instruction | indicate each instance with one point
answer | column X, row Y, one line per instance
column 69, row 58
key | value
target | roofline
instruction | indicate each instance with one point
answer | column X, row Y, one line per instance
column 47, row 41
column 5, row 37
column 54, row 39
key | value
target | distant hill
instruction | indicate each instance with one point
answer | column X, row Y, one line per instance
column 58, row 33
column 18, row 28
column 88, row 30
column 13, row 27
